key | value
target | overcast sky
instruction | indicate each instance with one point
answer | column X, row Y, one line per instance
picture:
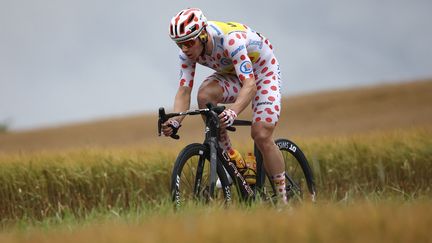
column 67, row 61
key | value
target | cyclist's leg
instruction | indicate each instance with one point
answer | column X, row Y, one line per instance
column 219, row 88
column 262, row 133
column 266, row 108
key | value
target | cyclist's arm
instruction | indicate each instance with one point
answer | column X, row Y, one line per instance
column 247, row 92
column 182, row 101
column 183, row 96
column 244, row 71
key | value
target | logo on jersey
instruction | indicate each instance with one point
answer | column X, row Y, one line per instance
column 256, row 43
column 264, row 103
column 237, row 50
column 246, row 67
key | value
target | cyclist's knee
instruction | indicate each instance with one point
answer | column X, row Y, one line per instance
column 203, row 99
column 263, row 141
column 209, row 93
column 262, row 134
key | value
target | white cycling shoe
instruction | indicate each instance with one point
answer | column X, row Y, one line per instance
column 219, row 183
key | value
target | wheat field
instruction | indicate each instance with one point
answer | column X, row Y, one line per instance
column 359, row 222
column 108, row 181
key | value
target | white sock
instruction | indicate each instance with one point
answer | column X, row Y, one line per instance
column 279, row 182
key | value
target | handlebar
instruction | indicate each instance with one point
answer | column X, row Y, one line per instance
column 163, row 117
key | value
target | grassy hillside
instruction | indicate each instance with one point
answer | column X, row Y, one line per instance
column 340, row 112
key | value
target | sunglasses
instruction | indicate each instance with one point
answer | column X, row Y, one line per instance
column 188, row 43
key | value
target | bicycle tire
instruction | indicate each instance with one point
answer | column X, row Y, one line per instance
column 192, row 164
column 295, row 179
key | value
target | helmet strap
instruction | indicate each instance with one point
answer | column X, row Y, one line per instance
column 203, row 38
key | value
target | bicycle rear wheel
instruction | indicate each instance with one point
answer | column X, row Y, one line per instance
column 190, row 179
column 298, row 174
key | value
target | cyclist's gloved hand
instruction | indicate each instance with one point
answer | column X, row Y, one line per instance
column 170, row 127
column 227, row 117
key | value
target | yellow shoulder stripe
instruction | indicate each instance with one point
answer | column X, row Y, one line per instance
column 228, row 27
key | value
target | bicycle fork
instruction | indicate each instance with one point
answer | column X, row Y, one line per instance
column 213, row 165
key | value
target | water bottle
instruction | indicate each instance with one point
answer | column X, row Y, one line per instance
column 237, row 158
column 250, row 161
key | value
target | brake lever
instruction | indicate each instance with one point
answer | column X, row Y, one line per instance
column 162, row 119
column 218, row 110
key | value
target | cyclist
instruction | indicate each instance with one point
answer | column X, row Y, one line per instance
column 246, row 70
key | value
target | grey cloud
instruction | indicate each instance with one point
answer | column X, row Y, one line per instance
column 64, row 61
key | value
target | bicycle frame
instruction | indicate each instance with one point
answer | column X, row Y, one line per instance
column 217, row 155
column 221, row 165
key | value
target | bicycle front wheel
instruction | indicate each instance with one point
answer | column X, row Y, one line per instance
column 190, row 180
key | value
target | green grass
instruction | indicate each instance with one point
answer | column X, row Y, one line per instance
column 39, row 186
column 395, row 163
column 57, row 187
column 364, row 221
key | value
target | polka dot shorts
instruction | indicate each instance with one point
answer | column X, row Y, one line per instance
column 266, row 104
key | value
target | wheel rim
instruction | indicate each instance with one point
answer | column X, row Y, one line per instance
column 295, row 178
column 194, row 179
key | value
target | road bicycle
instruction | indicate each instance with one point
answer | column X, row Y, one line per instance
column 203, row 172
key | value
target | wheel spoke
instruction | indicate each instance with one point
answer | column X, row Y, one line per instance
column 194, row 171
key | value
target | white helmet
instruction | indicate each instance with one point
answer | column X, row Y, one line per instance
column 187, row 24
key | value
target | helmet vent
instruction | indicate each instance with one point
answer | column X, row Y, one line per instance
column 181, row 28
column 191, row 17
column 171, row 29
